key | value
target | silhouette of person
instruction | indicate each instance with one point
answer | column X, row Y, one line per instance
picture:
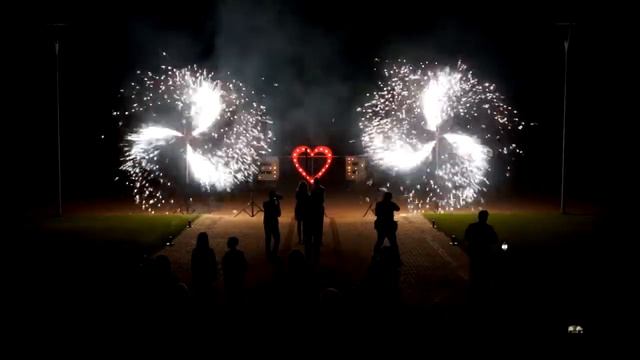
column 165, row 284
column 204, row 266
column 234, row 268
column 386, row 226
column 302, row 208
column 316, row 216
column 383, row 278
column 297, row 264
column 271, row 225
column 299, row 284
column 482, row 246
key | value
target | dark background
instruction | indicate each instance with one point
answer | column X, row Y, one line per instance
column 321, row 54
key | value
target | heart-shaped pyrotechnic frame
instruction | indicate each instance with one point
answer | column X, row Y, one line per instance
column 320, row 151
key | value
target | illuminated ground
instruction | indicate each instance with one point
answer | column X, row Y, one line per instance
column 434, row 272
column 548, row 282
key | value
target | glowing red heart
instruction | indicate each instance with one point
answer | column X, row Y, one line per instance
column 302, row 150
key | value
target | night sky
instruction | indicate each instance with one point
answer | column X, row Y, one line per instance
column 321, row 54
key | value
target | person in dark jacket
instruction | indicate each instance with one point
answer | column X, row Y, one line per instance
column 204, row 266
column 386, row 226
column 234, row 268
column 481, row 242
column 271, row 224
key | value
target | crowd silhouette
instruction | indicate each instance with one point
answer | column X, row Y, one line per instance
column 295, row 279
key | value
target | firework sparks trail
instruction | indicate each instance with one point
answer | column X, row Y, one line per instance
column 438, row 128
column 187, row 116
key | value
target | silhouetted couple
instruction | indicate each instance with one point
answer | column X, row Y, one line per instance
column 204, row 267
column 386, row 227
column 309, row 214
column 481, row 243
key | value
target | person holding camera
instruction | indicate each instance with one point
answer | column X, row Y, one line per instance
column 386, row 226
column 271, row 224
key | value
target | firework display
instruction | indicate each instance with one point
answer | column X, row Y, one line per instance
column 437, row 129
column 188, row 125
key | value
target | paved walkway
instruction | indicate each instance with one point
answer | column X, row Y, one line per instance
column 434, row 272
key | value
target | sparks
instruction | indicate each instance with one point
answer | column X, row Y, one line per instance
column 187, row 116
column 439, row 128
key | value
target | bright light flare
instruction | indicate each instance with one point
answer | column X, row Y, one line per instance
column 206, row 105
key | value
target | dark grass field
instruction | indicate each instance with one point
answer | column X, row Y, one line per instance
column 551, row 265
column 522, row 228
column 141, row 233
column 90, row 261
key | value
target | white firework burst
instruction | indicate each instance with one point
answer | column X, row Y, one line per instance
column 187, row 118
column 438, row 128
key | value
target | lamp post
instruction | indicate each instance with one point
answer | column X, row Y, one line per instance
column 564, row 117
column 57, row 47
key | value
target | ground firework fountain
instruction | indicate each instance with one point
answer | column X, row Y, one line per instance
column 438, row 128
column 189, row 118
